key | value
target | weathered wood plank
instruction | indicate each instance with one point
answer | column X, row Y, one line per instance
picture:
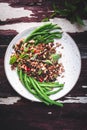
column 67, row 99
column 43, row 125
column 19, row 11
column 15, row 14
column 62, row 22
column 9, row 100
column 6, row 36
column 37, row 109
column 37, row 117
column 22, row 2
column 10, row 12
column 17, row 113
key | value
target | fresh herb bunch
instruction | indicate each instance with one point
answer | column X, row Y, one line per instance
column 72, row 11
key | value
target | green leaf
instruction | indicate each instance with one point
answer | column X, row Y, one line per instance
column 48, row 62
column 26, row 49
column 45, row 20
column 70, row 6
column 13, row 59
column 55, row 8
column 23, row 55
column 79, row 20
column 70, row 11
column 64, row 12
column 38, row 38
column 55, row 57
column 39, row 72
column 53, row 15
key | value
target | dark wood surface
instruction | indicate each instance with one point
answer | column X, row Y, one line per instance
column 17, row 113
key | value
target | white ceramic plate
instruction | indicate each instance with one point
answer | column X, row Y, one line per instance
column 70, row 58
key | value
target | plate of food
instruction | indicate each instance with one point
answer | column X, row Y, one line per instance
column 43, row 63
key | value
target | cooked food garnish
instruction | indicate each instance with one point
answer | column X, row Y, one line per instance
column 37, row 62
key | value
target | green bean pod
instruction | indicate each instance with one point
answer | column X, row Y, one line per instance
column 37, row 90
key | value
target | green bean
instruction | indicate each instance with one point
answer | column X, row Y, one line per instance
column 28, row 85
column 46, row 97
column 41, row 96
column 53, row 92
column 17, row 71
column 45, row 89
column 56, row 32
column 37, row 90
column 42, row 30
column 36, row 94
column 43, row 27
column 41, row 33
column 36, row 87
column 48, row 41
column 48, row 27
column 34, row 35
column 53, row 84
column 52, row 36
column 39, row 29
column 58, row 36
column 47, row 38
column 28, row 80
column 25, row 83
column 57, row 103
column 41, row 90
column 21, row 76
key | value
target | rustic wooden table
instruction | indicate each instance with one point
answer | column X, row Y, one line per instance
column 17, row 113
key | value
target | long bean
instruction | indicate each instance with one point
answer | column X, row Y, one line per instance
column 38, row 91
column 35, row 88
column 28, row 85
column 53, row 92
column 37, row 30
column 42, row 31
column 53, row 84
column 21, row 76
column 46, row 97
